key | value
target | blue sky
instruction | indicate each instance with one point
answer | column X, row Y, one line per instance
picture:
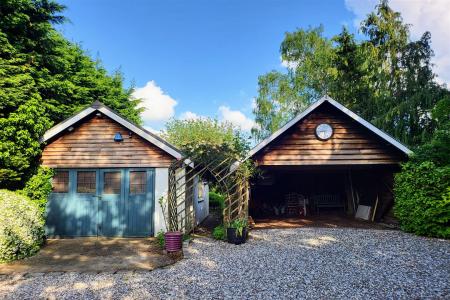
column 198, row 58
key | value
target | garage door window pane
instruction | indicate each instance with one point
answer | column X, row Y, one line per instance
column 60, row 182
column 112, row 183
column 138, row 183
column 86, row 182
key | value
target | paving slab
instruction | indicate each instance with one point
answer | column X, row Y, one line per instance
column 92, row 255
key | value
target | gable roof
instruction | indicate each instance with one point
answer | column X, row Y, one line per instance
column 343, row 109
column 97, row 106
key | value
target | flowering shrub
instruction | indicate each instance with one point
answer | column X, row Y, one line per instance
column 21, row 226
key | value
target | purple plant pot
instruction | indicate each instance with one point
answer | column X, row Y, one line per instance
column 173, row 241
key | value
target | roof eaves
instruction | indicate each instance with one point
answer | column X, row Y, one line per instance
column 66, row 124
column 147, row 135
column 371, row 127
column 342, row 108
column 98, row 106
column 288, row 125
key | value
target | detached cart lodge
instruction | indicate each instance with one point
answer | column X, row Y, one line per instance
column 327, row 161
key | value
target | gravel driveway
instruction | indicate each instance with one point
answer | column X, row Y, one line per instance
column 279, row 263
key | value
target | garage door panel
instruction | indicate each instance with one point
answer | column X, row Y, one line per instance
column 84, row 203
column 70, row 213
column 112, row 199
column 57, row 215
column 83, row 215
column 107, row 202
column 139, row 204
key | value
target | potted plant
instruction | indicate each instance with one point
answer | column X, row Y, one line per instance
column 237, row 231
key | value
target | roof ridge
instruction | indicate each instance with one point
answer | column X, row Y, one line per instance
column 340, row 107
column 117, row 117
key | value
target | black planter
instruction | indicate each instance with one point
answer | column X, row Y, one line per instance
column 234, row 238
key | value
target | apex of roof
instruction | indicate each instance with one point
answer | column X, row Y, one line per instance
column 98, row 106
column 340, row 107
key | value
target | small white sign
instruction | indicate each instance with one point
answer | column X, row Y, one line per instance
column 363, row 212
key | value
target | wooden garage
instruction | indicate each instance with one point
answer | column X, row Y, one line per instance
column 109, row 174
column 326, row 161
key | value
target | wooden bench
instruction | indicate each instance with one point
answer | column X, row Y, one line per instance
column 327, row 201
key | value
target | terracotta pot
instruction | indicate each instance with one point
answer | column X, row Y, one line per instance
column 173, row 241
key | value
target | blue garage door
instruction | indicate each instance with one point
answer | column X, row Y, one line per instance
column 101, row 202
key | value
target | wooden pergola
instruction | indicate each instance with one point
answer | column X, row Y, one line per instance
column 229, row 178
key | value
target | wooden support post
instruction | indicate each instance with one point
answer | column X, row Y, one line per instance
column 351, row 190
column 375, row 209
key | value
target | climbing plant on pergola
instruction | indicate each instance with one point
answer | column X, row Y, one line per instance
column 222, row 167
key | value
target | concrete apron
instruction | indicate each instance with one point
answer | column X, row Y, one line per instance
column 92, row 255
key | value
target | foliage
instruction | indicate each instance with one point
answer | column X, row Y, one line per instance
column 386, row 78
column 19, row 141
column 422, row 203
column 437, row 150
column 219, row 233
column 218, row 151
column 39, row 187
column 194, row 136
column 21, row 226
column 422, row 188
column 216, row 200
column 164, row 207
column 281, row 96
column 186, row 237
column 239, row 225
column 161, row 239
column 44, row 79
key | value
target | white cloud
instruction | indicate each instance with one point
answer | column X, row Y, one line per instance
column 236, row 118
column 423, row 15
column 152, row 130
column 158, row 105
column 288, row 64
column 360, row 9
column 189, row 115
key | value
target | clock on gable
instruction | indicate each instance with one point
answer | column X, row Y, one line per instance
column 324, row 131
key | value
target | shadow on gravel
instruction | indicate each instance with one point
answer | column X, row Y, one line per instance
column 297, row 263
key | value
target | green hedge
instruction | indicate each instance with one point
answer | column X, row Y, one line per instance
column 39, row 187
column 422, row 199
column 21, row 226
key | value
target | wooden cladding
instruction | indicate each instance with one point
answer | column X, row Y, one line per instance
column 92, row 145
column 351, row 143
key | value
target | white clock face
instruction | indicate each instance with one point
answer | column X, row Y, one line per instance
column 324, row 131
